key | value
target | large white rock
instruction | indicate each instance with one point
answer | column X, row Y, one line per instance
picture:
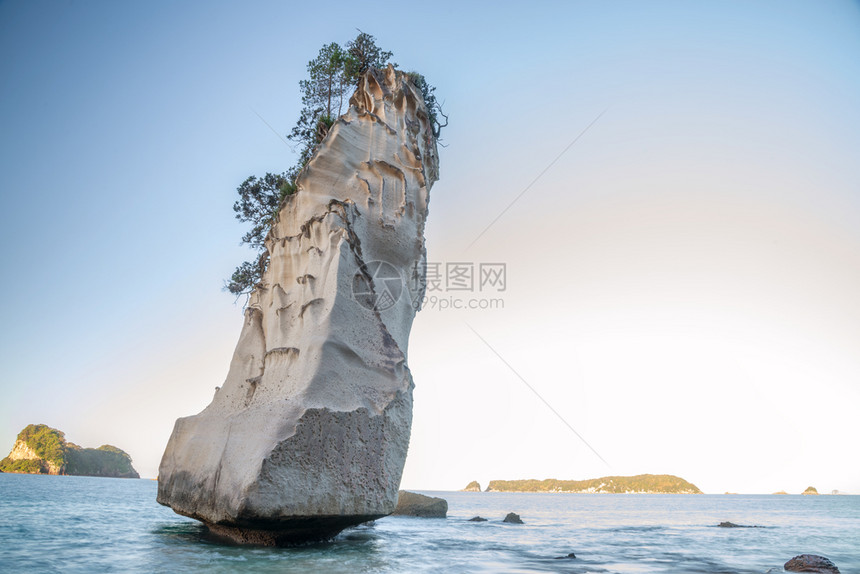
column 309, row 432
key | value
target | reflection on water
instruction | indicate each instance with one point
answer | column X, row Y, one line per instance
column 77, row 524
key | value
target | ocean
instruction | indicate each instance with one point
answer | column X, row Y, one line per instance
column 81, row 524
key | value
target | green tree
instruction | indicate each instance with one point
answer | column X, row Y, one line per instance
column 323, row 94
column 258, row 204
column 331, row 76
column 364, row 54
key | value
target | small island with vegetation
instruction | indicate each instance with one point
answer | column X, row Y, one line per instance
column 41, row 449
column 639, row 484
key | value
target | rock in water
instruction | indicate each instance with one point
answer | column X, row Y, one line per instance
column 309, row 432
column 414, row 504
column 811, row 563
column 513, row 518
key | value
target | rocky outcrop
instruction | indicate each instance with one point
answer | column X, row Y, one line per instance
column 477, row 519
column 21, row 451
column 811, row 563
column 513, row 518
column 414, row 504
column 309, row 432
column 810, row 490
column 473, row 486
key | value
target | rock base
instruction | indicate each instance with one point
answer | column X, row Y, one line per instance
column 287, row 532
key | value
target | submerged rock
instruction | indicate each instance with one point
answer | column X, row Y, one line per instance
column 570, row 556
column 513, row 518
column 414, row 504
column 811, row 563
column 733, row 525
column 477, row 519
column 309, row 432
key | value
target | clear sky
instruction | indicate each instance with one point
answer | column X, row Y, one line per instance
column 683, row 284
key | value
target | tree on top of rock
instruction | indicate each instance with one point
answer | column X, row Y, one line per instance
column 363, row 55
column 332, row 75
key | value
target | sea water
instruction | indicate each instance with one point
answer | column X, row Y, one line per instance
column 80, row 524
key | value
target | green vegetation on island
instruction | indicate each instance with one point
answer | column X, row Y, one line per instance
column 473, row 486
column 642, row 483
column 810, row 490
column 41, row 449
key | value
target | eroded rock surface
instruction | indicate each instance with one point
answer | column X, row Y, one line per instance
column 309, row 432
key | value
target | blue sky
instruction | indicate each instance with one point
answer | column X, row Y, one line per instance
column 695, row 255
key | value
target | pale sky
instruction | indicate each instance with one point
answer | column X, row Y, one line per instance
column 682, row 283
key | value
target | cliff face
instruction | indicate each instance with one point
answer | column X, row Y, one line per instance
column 21, row 451
column 309, row 432
column 41, row 449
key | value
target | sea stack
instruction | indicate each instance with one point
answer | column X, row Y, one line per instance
column 308, row 433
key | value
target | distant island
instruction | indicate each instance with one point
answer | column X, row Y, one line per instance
column 41, row 449
column 810, row 490
column 473, row 486
column 640, row 484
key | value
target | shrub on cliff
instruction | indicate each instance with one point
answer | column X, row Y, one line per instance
column 27, row 466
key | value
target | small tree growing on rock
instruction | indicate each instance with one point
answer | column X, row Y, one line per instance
column 259, row 201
